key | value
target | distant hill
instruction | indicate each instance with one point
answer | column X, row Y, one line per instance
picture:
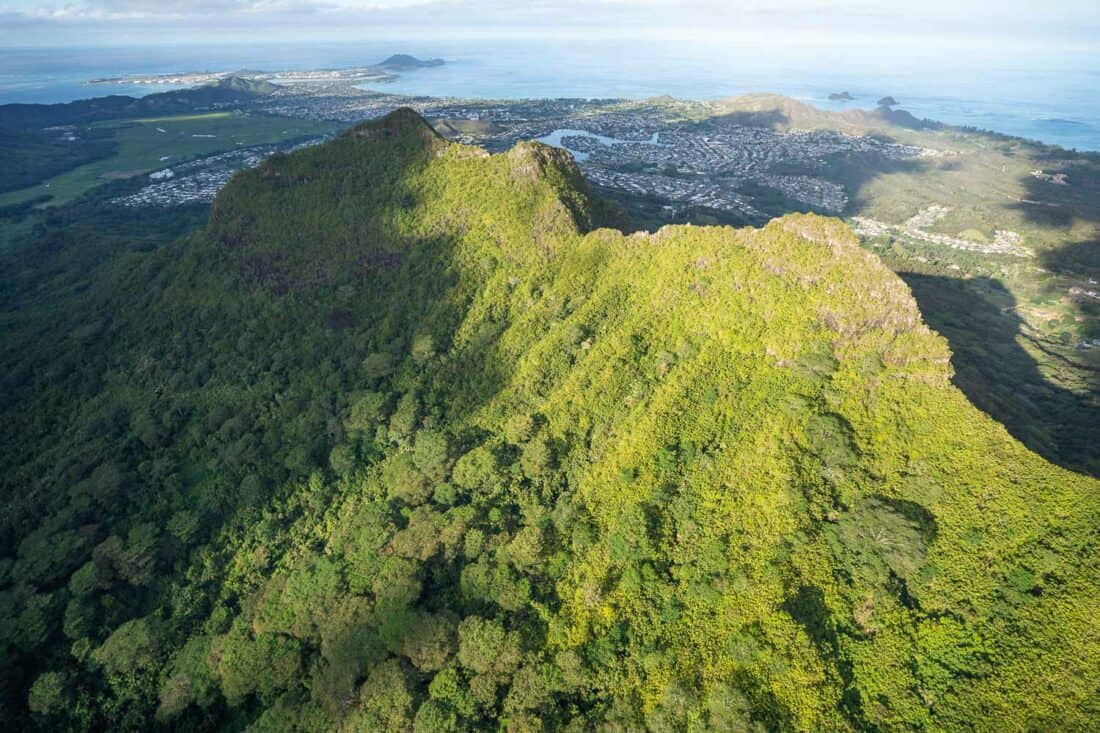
column 247, row 86
column 405, row 62
column 783, row 113
column 451, row 127
column 404, row 440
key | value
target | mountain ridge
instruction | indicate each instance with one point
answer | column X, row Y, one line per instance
column 405, row 440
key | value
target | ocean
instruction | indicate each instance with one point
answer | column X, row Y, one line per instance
column 1051, row 97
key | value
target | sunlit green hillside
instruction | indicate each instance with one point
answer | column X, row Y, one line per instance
column 403, row 441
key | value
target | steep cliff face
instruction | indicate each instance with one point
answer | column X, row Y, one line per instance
column 464, row 460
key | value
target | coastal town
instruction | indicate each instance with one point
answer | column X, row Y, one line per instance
column 671, row 161
column 743, row 172
column 198, row 181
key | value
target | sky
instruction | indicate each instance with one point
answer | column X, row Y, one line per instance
column 1032, row 26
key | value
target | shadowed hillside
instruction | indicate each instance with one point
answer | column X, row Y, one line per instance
column 1001, row 378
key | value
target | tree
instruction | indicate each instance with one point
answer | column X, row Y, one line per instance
column 79, row 617
column 147, row 429
column 476, row 471
column 434, row 717
column 342, row 460
column 265, row 663
column 445, row 494
column 449, row 687
column 421, row 539
column 430, row 642
column 525, row 549
column 106, row 556
column 485, row 647
column 105, row 484
column 175, row 695
column 403, row 420
column 49, row 695
column 137, row 563
column 132, row 647
column 192, row 680
column 423, row 349
column 532, row 686
column 404, row 481
column 386, row 700
column 35, row 622
column 184, row 526
column 377, row 365
column 254, row 488
column 396, row 582
column 365, row 415
column 483, row 690
column 85, row 580
column 535, row 459
column 518, row 429
column 430, row 455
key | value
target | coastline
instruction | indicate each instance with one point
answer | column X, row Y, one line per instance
column 997, row 100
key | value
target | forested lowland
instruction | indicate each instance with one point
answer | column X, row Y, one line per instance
column 40, row 141
column 29, row 156
column 401, row 440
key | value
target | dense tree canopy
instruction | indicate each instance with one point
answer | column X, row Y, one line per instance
column 401, row 442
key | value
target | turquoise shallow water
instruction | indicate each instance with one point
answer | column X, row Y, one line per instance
column 1051, row 97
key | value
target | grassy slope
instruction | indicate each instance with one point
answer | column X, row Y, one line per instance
column 745, row 493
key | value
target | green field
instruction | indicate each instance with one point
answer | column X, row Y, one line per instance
column 149, row 144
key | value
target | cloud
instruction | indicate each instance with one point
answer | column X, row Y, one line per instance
column 144, row 20
column 113, row 9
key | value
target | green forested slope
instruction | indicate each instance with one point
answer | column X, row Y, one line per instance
column 394, row 444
